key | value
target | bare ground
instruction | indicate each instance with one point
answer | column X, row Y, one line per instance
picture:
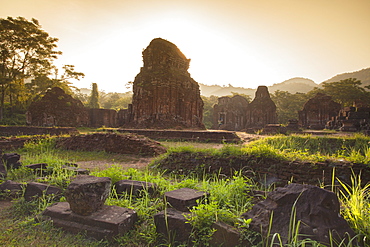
column 137, row 163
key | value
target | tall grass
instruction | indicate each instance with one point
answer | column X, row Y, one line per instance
column 355, row 148
column 356, row 206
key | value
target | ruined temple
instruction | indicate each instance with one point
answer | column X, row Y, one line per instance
column 262, row 110
column 164, row 94
column 56, row 108
column 318, row 111
column 230, row 113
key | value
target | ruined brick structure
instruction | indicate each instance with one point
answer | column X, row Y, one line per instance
column 235, row 113
column 230, row 113
column 262, row 110
column 56, row 108
column 164, row 94
column 318, row 111
column 102, row 117
column 355, row 118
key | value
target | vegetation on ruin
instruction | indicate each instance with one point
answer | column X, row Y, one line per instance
column 228, row 196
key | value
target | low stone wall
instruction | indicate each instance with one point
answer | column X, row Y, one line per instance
column 187, row 135
column 31, row 130
column 264, row 169
column 12, row 143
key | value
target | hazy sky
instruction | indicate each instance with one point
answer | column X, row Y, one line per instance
column 244, row 43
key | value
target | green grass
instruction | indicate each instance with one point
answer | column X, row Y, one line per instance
column 228, row 197
column 354, row 148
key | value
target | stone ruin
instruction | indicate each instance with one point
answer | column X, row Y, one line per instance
column 230, row 113
column 262, row 110
column 84, row 210
column 318, row 111
column 56, row 108
column 164, row 94
column 318, row 211
column 237, row 114
column 355, row 118
column 125, row 143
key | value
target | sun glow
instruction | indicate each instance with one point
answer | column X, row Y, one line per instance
column 215, row 56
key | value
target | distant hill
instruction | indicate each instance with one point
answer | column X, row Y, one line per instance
column 293, row 85
column 219, row 91
column 362, row 75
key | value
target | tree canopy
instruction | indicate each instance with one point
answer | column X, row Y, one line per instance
column 26, row 63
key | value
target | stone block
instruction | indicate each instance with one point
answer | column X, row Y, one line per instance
column 37, row 166
column 87, row 194
column 34, row 190
column 184, row 198
column 11, row 187
column 225, row 235
column 319, row 209
column 134, row 187
column 11, row 160
column 105, row 223
column 172, row 225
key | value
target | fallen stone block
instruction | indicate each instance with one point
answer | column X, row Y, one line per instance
column 183, row 199
column 226, row 236
column 105, row 223
column 35, row 190
column 172, row 225
column 316, row 208
column 134, row 187
column 37, row 166
column 87, row 194
column 11, row 188
column 11, row 160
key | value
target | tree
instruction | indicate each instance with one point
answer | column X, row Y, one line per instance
column 26, row 50
column 94, row 98
column 42, row 82
column 288, row 104
column 209, row 102
column 346, row 92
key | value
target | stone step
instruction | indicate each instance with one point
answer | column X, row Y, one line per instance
column 105, row 223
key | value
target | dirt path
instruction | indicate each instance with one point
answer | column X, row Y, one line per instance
column 5, row 204
column 248, row 137
column 140, row 163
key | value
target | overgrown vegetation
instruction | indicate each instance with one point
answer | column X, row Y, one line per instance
column 228, row 197
column 353, row 148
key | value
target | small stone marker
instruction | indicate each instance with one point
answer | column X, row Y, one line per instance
column 184, row 198
column 134, row 187
column 87, row 194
